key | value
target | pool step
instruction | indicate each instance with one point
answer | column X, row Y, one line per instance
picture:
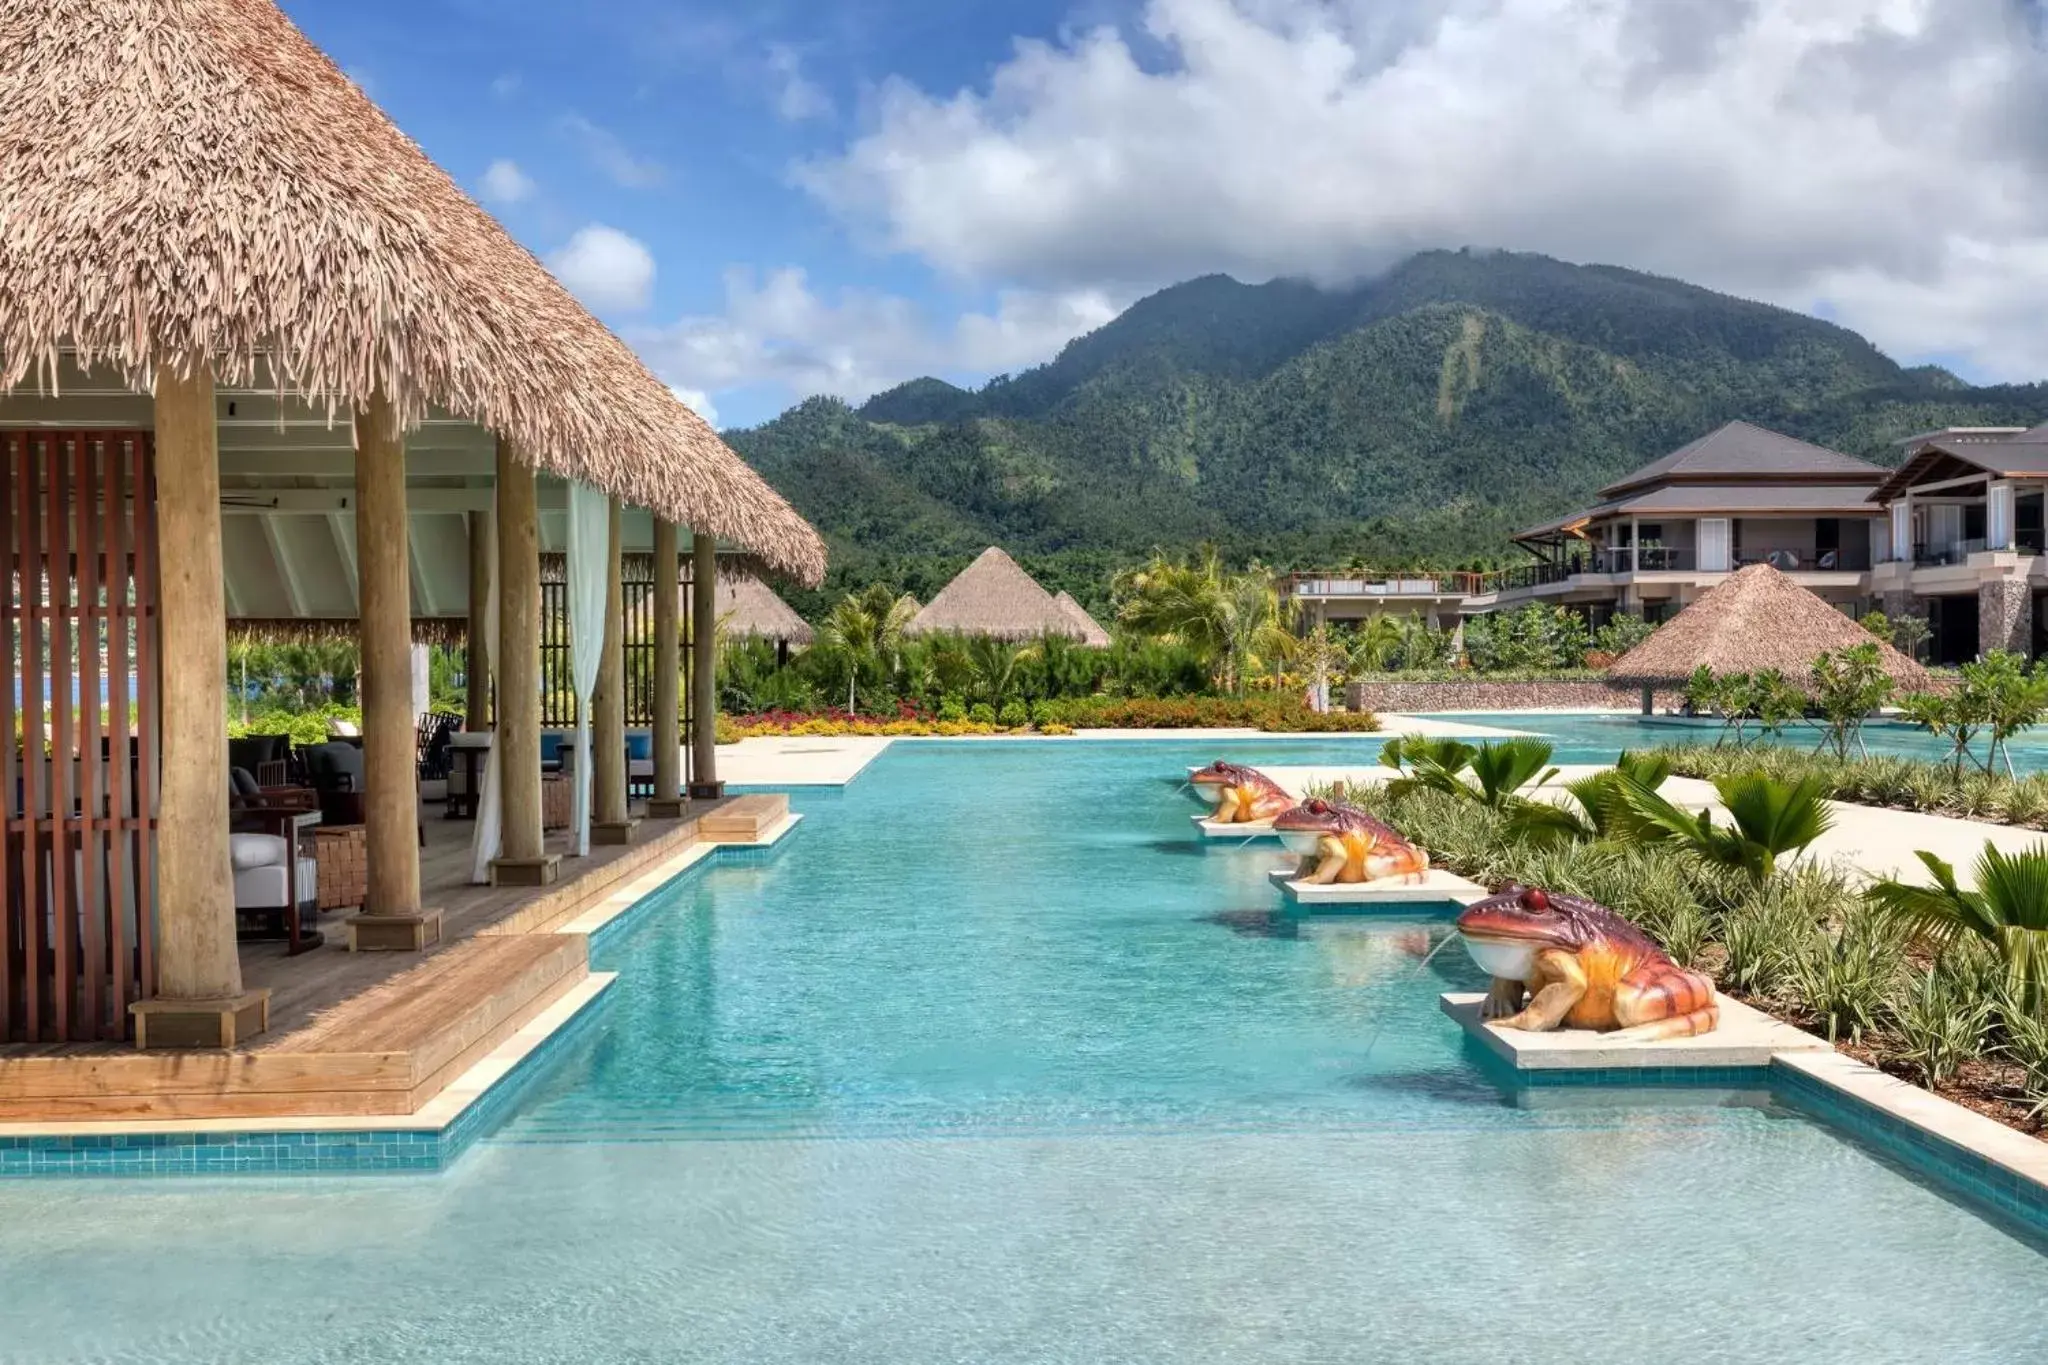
column 744, row 819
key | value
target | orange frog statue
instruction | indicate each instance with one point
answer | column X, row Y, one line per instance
column 1562, row 960
column 1340, row 843
column 1240, row 795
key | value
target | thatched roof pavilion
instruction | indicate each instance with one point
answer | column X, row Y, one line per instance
column 188, row 178
column 747, row 607
column 994, row 597
column 1757, row 619
column 1092, row 633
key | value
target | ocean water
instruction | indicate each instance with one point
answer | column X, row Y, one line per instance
column 995, row 1063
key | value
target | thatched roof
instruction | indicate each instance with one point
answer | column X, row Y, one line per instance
column 1092, row 632
column 993, row 597
column 426, row 630
column 193, row 178
column 1757, row 619
column 747, row 606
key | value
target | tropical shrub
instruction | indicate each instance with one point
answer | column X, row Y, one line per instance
column 1848, row 685
column 2008, row 910
column 1767, row 819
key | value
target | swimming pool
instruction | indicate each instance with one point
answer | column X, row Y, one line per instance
column 1586, row 738
column 994, row 1063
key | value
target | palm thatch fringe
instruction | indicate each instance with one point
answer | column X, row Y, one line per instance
column 637, row 566
column 747, row 607
column 994, row 597
column 192, row 181
column 1757, row 619
column 274, row 630
column 1091, row 630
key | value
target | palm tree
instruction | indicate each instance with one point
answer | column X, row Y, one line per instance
column 1767, row 819
column 1379, row 643
column 1232, row 620
column 2008, row 910
column 863, row 635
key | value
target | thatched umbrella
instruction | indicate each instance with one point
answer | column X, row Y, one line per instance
column 748, row 607
column 1092, row 632
column 193, row 178
column 993, row 597
column 1758, row 619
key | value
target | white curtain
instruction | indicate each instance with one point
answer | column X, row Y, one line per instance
column 488, row 838
column 590, row 531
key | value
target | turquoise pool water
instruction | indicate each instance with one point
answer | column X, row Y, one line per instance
column 993, row 1063
column 1598, row 738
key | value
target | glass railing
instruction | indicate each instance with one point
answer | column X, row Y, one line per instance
column 1935, row 554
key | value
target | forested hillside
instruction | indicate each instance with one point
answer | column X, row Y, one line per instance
column 1415, row 418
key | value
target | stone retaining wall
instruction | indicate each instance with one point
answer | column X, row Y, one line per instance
column 1479, row 695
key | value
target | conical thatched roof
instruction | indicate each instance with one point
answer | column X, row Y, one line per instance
column 1757, row 619
column 192, row 178
column 1092, row 632
column 748, row 607
column 992, row 596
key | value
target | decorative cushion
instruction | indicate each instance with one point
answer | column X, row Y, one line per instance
column 246, row 851
column 640, row 748
column 244, row 782
column 262, row 888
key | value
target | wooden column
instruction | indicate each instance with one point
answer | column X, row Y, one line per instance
column 476, row 666
column 609, row 821
column 667, row 801
column 515, row 744
column 392, row 917
column 704, row 783
column 199, row 1001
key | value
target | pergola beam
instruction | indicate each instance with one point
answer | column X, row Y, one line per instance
column 287, row 572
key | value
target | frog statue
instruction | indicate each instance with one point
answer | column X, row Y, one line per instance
column 1580, row 965
column 1340, row 843
column 1240, row 795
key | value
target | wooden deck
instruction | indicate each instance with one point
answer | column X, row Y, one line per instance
column 363, row 1033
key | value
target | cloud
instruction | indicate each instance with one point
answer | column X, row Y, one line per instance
column 697, row 401
column 505, row 183
column 1885, row 158
column 776, row 331
column 506, row 85
column 609, row 155
column 608, row 270
column 797, row 97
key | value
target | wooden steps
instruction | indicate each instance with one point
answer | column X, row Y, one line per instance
column 386, row 1051
column 743, row 819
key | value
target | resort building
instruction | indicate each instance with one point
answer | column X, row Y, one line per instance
column 1964, row 537
column 1662, row 536
column 261, row 359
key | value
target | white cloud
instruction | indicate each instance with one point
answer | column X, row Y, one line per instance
column 776, row 331
column 697, row 401
column 608, row 270
column 505, row 183
column 1884, row 158
column 506, row 85
column 797, row 97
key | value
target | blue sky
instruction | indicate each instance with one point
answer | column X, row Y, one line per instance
column 773, row 199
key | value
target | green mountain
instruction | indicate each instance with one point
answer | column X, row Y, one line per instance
column 1416, row 417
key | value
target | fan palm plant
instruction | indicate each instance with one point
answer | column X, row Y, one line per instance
column 1601, row 812
column 1767, row 819
column 2008, row 910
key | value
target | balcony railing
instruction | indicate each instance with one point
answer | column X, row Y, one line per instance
column 1323, row 585
column 1935, row 554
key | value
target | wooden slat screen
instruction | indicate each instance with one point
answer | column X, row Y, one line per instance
column 79, row 770
column 557, row 677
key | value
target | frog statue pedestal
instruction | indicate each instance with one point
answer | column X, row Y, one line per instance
column 1560, row 960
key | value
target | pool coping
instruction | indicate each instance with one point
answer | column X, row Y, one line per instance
column 1992, row 1166
column 429, row 1139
